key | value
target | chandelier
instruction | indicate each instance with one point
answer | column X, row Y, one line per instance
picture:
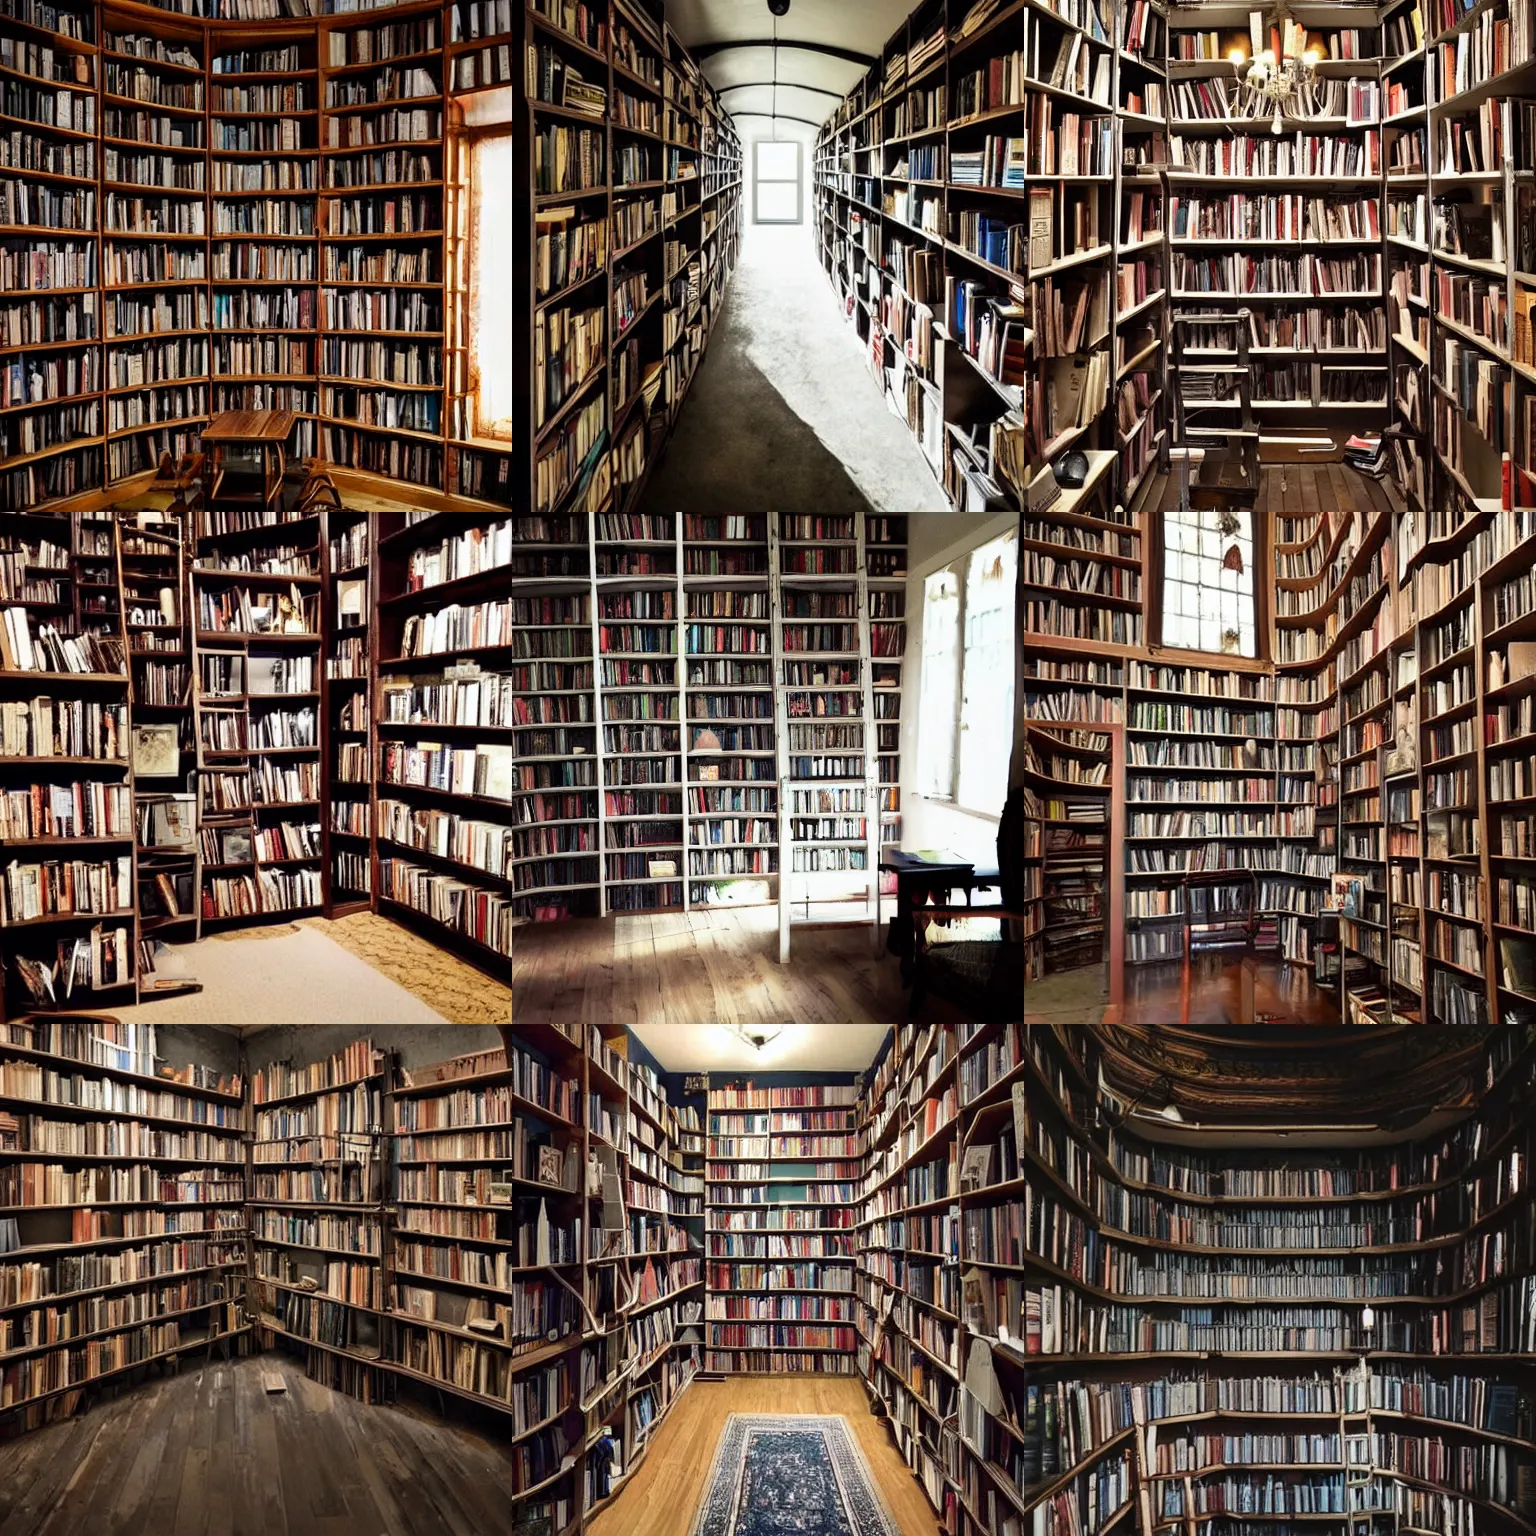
column 1275, row 77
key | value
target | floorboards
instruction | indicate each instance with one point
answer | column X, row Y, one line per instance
column 209, row 1452
column 700, row 967
column 1292, row 489
column 664, row 1492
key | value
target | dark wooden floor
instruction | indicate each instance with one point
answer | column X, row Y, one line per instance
column 1154, row 994
column 210, row 1453
column 1288, row 489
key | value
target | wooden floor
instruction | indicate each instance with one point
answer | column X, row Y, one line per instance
column 664, row 1494
column 716, row 967
column 210, row 1453
column 1287, row 489
column 1154, row 994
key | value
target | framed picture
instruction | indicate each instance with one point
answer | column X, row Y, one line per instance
column 708, row 772
column 551, row 1168
column 976, row 1170
column 662, row 868
column 155, row 753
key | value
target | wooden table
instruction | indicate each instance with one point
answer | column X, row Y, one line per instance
column 917, row 882
column 265, row 431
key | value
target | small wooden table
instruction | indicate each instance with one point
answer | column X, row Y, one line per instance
column 917, row 882
column 265, row 431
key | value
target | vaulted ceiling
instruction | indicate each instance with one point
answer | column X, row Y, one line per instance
column 824, row 47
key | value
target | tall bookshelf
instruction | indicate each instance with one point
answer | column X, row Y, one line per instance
column 52, row 248
column 264, row 101
column 319, row 1256
column 155, row 247
column 732, row 827
column 157, row 625
column 443, row 785
column 770, row 1209
column 908, row 1306
column 68, row 907
column 829, row 788
column 237, row 200
column 382, row 246
column 346, row 710
column 633, row 176
column 1249, row 1397
column 257, row 593
column 129, row 1254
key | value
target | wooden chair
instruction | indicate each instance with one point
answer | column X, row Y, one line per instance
column 183, row 477
column 319, row 489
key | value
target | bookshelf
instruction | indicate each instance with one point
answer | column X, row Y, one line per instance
column 169, row 878
column 51, row 248
column 236, row 200
column 633, row 176
column 69, row 856
column 443, row 781
column 346, row 708
column 917, row 177
column 647, row 729
column 1349, row 1369
column 768, row 1309
column 256, row 640
column 733, row 828
column 156, row 253
column 829, row 785
column 127, row 1253
column 1072, row 775
column 907, row 1307
column 319, row 1252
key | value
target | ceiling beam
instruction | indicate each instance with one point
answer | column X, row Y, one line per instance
column 784, row 117
column 702, row 51
column 790, row 85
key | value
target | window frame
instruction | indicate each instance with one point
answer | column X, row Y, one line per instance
column 958, row 568
column 1155, row 560
column 471, row 140
column 780, row 181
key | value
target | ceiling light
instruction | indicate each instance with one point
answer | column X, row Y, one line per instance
column 757, row 1035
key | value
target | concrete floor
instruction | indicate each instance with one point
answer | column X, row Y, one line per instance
column 785, row 414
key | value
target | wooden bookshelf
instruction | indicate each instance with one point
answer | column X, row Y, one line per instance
column 444, row 622
column 175, row 1204
column 256, row 644
column 768, row 1309
column 625, row 264
column 320, row 1259
column 267, row 189
column 346, row 708
column 66, row 567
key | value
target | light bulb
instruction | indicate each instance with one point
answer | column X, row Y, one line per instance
column 1368, row 1319
column 1236, row 56
column 1311, row 56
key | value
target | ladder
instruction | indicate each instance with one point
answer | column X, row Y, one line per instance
column 854, row 796
column 1357, row 1448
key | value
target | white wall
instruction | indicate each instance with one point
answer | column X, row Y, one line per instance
column 934, row 540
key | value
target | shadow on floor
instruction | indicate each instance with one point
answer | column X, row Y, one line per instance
column 1068, row 997
column 773, row 462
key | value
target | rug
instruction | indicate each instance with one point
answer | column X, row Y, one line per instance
column 790, row 1475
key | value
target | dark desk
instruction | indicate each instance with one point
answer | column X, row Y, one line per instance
column 919, row 881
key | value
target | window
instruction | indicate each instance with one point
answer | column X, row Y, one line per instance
column 965, row 707
column 491, row 285
column 1208, row 599
column 776, row 182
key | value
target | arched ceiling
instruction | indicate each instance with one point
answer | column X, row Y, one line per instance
column 1391, row 1077
column 811, row 83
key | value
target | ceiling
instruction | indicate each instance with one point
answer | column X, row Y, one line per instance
column 811, row 83
column 1397, row 1080
column 801, row 1048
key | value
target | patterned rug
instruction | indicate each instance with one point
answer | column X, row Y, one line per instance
column 790, row 1475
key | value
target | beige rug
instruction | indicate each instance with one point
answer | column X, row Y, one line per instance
column 459, row 991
